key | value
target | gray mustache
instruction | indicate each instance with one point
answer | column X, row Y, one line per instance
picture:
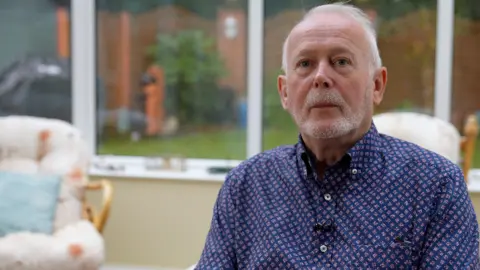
column 314, row 98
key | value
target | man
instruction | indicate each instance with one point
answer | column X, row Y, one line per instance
column 345, row 196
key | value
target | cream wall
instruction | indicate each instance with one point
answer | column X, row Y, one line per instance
column 163, row 223
column 159, row 223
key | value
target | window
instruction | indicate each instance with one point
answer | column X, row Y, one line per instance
column 35, row 76
column 172, row 78
column 406, row 38
column 466, row 67
column 177, row 78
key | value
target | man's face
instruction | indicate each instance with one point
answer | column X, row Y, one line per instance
column 330, row 85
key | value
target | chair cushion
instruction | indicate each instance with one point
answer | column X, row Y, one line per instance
column 78, row 246
column 48, row 146
column 426, row 131
column 34, row 137
column 28, row 202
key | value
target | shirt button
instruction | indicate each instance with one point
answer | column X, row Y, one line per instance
column 354, row 171
column 323, row 248
column 327, row 197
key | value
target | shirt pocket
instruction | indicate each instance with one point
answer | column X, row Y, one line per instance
column 382, row 256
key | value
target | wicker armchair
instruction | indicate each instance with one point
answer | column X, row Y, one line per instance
column 32, row 145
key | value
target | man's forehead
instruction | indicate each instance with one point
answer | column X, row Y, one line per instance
column 326, row 19
column 331, row 24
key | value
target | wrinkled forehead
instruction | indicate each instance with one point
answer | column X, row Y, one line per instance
column 328, row 30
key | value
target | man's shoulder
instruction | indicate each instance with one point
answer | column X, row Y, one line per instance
column 417, row 155
column 264, row 162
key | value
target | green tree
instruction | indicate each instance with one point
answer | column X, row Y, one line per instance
column 192, row 69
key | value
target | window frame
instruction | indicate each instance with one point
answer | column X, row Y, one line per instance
column 84, row 72
column 84, row 68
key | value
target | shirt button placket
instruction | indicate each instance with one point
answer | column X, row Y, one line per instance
column 327, row 197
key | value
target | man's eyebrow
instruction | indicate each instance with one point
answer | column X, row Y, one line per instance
column 304, row 51
column 341, row 50
column 334, row 50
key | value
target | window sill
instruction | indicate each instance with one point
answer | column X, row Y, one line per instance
column 137, row 168
column 195, row 170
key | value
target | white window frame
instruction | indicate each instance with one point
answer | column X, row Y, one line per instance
column 84, row 93
column 84, row 100
column 255, row 77
column 83, row 45
column 444, row 58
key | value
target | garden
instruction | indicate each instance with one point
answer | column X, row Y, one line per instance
column 211, row 118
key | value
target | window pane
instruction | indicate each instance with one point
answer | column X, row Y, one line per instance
column 173, row 78
column 406, row 40
column 466, row 67
column 34, row 59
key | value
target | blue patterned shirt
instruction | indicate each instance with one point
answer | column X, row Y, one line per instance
column 387, row 204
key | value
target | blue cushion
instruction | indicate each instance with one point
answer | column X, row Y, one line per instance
column 28, row 202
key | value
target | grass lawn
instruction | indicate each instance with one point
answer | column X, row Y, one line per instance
column 215, row 145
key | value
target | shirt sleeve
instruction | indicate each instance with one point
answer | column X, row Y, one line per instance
column 219, row 251
column 452, row 239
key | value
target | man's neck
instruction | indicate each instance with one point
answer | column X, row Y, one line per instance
column 327, row 152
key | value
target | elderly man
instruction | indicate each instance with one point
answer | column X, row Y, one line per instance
column 345, row 196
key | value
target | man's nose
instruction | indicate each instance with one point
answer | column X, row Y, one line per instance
column 322, row 79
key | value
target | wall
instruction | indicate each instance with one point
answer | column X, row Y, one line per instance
column 164, row 223
column 158, row 223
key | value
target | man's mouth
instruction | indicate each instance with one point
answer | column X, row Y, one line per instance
column 324, row 105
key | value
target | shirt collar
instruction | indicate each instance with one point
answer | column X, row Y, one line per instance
column 363, row 153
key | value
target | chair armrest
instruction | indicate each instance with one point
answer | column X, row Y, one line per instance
column 468, row 143
column 99, row 219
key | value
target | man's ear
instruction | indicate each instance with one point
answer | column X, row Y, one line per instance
column 380, row 83
column 282, row 90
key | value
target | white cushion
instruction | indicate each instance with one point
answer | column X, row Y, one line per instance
column 20, row 136
column 426, row 131
column 39, row 145
column 25, row 165
column 77, row 246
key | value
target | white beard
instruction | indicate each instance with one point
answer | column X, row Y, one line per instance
column 346, row 123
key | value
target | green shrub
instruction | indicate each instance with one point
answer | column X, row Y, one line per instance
column 192, row 69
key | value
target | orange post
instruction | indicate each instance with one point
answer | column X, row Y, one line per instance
column 63, row 32
column 154, row 93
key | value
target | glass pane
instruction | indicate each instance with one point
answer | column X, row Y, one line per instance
column 466, row 67
column 406, row 40
column 34, row 59
column 173, row 78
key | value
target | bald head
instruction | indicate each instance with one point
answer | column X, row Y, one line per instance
column 359, row 20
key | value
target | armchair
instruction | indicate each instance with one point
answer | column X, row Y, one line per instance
column 433, row 134
column 31, row 145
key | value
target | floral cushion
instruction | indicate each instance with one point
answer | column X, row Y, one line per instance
column 47, row 146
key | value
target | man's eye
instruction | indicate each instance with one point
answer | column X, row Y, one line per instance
column 342, row 62
column 304, row 63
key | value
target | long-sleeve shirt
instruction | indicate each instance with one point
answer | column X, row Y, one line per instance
column 386, row 204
